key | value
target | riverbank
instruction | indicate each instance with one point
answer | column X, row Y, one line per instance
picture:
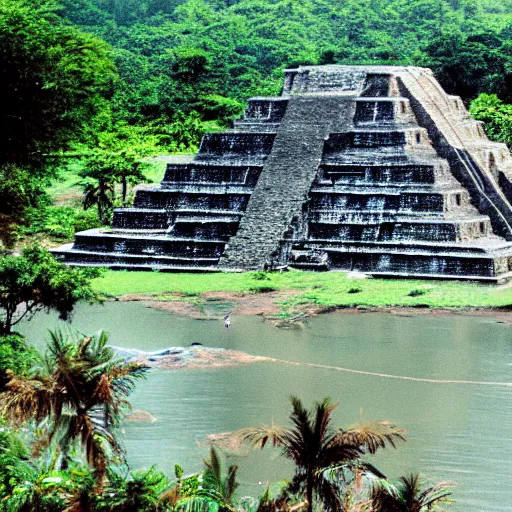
column 288, row 297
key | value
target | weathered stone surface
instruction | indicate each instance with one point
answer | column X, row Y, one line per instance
column 286, row 179
column 363, row 168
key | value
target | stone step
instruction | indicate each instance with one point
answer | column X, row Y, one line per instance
column 203, row 173
column 235, row 143
column 487, row 246
column 265, row 110
column 382, row 110
column 399, row 229
column 109, row 259
column 374, row 201
column 192, row 200
column 98, row 241
column 410, row 136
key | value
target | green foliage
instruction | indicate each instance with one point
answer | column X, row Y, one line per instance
column 214, row 479
column 417, row 292
column 182, row 134
column 60, row 222
column 102, row 170
column 15, row 355
column 140, row 490
column 79, row 389
column 496, row 115
column 209, row 56
column 263, row 288
column 469, row 64
column 15, row 467
column 56, row 79
column 261, row 276
column 20, row 191
column 409, row 495
column 35, row 281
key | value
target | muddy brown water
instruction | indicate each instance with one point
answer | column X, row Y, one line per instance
column 458, row 432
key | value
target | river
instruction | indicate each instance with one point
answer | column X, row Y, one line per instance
column 457, row 432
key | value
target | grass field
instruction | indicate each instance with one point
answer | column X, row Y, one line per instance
column 321, row 289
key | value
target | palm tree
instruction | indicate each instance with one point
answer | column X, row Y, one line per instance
column 99, row 192
column 129, row 170
column 98, row 184
column 79, row 390
column 209, row 491
column 316, row 448
column 213, row 477
column 408, row 496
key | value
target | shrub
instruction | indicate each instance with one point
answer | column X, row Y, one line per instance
column 16, row 355
column 262, row 289
column 416, row 292
column 261, row 276
column 61, row 222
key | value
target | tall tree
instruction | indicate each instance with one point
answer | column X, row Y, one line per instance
column 316, row 448
column 80, row 388
column 56, row 78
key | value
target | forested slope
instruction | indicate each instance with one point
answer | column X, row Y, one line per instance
column 203, row 54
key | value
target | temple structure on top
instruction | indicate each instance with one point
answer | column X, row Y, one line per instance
column 365, row 168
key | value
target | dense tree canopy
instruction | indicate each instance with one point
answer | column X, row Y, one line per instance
column 55, row 80
column 176, row 56
column 496, row 115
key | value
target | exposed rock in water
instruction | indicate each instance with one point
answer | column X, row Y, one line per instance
column 194, row 357
column 139, row 416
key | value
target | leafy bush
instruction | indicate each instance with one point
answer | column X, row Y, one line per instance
column 416, row 292
column 61, row 222
column 21, row 192
column 15, row 354
column 262, row 289
column 261, row 276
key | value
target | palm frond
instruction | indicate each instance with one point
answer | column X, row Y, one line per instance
column 372, row 436
column 231, row 484
column 408, row 494
column 259, row 437
column 27, row 398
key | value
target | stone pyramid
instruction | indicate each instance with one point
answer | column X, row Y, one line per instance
column 367, row 168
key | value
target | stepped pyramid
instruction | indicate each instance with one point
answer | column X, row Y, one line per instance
column 369, row 168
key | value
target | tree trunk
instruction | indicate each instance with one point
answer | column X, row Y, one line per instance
column 309, row 493
column 124, row 190
column 100, row 211
column 6, row 323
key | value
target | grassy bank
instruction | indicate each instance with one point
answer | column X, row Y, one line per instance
column 321, row 289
